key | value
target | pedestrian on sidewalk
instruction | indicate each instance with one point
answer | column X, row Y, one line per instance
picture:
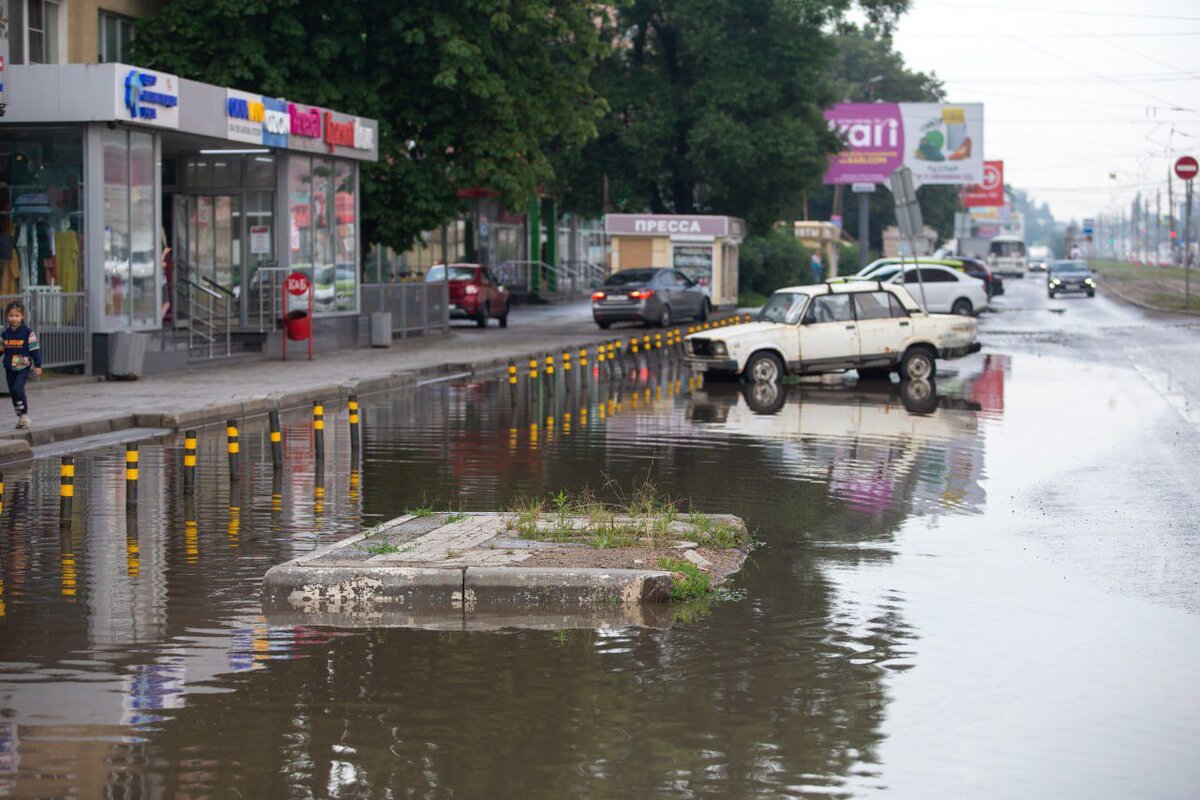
column 816, row 267
column 22, row 354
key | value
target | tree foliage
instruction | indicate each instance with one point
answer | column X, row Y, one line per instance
column 477, row 93
column 771, row 261
column 716, row 107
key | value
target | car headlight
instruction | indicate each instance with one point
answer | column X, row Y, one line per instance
column 1055, row 281
column 719, row 349
column 1089, row 282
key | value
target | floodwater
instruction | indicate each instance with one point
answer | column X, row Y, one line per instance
column 941, row 605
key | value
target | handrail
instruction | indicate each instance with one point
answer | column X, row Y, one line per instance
column 205, row 289
column 213, row 284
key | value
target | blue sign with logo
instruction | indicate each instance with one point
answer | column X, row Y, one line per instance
column 276, row 124
column 142, row 100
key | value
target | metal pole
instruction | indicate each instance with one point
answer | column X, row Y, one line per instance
column 1187, row 247
column 864, row 228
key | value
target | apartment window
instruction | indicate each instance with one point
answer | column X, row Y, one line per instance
column 116, row 32
column 42, row 30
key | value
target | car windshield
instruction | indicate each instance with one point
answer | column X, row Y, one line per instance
column 438, row 273
column 782, row 307
column 885, row 273
column 1069, row 266
column 631, row 276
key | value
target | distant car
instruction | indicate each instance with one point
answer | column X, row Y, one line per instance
column 1070, row 276
column 475, row 293
column 947, row 290
column 874, row 328
column 974, row 267
column 650, row 296
column 1037, row 265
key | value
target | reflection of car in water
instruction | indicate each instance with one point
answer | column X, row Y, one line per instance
column 874, row 443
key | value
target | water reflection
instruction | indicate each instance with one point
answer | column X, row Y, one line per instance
column 135, row 654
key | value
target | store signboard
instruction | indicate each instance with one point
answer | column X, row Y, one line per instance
column 305, row 128
column 277, row 123
column 941, row 143
column 244, row 115
column 147, row 97
column 989, row 192
column 667, row 225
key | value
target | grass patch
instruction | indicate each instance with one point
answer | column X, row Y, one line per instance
column 457, row 516
column 381, row 548
column 421, row 511
column 689, row 582
column 717, row 534
column 749, row 299
column 640, row 518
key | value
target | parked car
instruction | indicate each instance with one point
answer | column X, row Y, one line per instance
column 1068, row 276
column 974, row 267
column 650, row 296
column 475, row 293
column 876, row 328
column 946, row 290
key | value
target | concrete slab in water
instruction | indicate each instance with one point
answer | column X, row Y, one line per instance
column 477, row 572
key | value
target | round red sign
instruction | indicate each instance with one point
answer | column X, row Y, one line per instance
column 1186, row 167
column 297, row 283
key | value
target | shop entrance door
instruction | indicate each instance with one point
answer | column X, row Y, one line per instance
column 221, row 241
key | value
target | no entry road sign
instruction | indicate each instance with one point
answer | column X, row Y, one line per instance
column 1186, row 167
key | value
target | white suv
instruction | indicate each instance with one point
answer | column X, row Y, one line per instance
column 870, row 326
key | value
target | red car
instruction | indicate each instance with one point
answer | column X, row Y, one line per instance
column 475, row 293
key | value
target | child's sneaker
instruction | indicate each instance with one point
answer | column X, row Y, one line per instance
column 23, row 421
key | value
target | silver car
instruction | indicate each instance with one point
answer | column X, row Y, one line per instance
column 650, row 296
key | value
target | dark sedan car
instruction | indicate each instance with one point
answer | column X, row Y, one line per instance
column 1070, row 276
column 649, row 296
column 978, row 269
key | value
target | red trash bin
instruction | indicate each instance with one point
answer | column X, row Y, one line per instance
column 298, row 325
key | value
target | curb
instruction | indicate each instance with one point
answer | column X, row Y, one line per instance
column 1108, row 288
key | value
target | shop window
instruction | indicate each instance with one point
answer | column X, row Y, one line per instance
column 322, row 240
column 130, row 242
column 260, row 173
column 41, row 212
column 116, row 32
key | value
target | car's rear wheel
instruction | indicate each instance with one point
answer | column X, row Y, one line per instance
column 962, row 307
column 918, row 364
column 705, row 306
column 764, row 368
column 664, row 317
column 604, row 325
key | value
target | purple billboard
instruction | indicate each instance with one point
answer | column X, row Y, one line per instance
column 874, row 137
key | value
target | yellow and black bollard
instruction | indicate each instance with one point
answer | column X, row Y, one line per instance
column 232, row 448
column 191, row 536
column 319, row 430
column 319, row 490
column 133, row 551
column 352, row 411
column 1, row 492
column 277, row 491
column 276, row 439
column 233, row 527
column 189, row 462
column 66, row 487
column 70, row 575
column 512, row 381
column 131, row 474
column 533, row 369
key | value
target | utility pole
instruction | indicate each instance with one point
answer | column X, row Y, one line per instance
column 1157, row 222
column 1171, row 216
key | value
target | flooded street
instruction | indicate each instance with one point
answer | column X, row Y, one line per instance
column 990, row 589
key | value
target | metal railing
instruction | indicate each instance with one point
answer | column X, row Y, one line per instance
column 417, row 308
column 539, row 279
column 210, row 316
column 60, row 320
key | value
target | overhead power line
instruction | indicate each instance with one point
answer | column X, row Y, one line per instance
column 1073, row 12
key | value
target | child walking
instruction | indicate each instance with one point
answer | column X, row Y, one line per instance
column 21, row 352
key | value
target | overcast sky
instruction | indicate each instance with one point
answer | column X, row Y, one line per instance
column 1073, row 90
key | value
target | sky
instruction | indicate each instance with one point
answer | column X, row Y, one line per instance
column 1085, row 102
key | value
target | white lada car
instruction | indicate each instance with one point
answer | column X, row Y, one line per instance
column 874, row 327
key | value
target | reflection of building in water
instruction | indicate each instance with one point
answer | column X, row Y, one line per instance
column 876, row 445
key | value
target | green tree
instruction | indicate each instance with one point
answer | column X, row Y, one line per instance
column 716, row 107
column 478, row 93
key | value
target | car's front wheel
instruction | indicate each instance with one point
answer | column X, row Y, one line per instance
column 764, row 368
column 918, row 364
column 962, row 307
column 604, row 325
column 503, row 318
column 664, row 317
column 704, row 308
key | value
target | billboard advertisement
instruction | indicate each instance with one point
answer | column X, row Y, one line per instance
column 942, row 143
column 989, row 192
